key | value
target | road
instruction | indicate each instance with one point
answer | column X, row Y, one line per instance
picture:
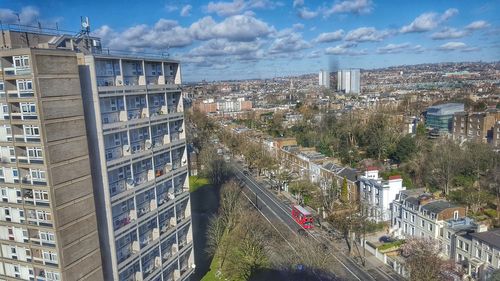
column 272, row 208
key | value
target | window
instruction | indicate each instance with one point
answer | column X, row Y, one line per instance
column 478, row 253
column 28, row 108
column 460, row 244
column 422, row 223
column 24, row 85
column 455, row 215
column 50, row 256
column 41, row 195
column 47, row 236
column 467, row 247
column 35, row 152
column 42, row 215
column 37, row 174
column 31, row 130
column 448, row 235
column 412, row 218
column 21, row 61
column 52, row 276
column 430, row 226
column 489, row 258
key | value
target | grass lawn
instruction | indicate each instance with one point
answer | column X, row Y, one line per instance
column 210, row 276
column 196, row 182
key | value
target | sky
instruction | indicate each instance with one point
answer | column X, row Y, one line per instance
column 245, row 39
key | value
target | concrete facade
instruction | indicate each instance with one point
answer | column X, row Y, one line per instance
column 48, row 224
column 135, row 119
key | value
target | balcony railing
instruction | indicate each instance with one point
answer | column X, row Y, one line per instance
column 17, row 70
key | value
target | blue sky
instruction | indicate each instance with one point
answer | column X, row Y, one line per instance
column 238, row 39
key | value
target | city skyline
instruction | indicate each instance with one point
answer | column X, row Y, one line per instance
column 240, row 39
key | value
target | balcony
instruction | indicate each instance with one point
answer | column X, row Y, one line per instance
column 127, row 251
column 161, row 140
column 113, row 117
column 20, row 93
column 135, row 114
column 114, row 153
column 124, row 219
column 143, row 177
column 17, row 70
column 120, row 186
column 151, row 236
column 158, row 110
column 163, row 169
column 163, row 198
column 146, row 207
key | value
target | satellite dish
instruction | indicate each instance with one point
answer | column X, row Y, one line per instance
column 148, row 144
column 126, row 147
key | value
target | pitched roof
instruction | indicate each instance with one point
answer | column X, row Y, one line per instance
column 491, row 237
column 438, row 206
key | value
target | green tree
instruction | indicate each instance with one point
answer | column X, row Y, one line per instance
column 302, row 189
column 405, row 149
column 344, row 194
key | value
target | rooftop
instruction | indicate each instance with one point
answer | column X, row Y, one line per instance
column 491, row 237
column 445, row 109
column 438, row 206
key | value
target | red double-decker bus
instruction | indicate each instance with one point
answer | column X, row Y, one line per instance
column 302, row 216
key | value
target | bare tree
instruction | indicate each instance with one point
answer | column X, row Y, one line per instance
column 423, row 263
column 444, row 163
column 214, row 166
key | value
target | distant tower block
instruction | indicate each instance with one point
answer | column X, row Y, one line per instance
column 324, row 78
column 348, row 81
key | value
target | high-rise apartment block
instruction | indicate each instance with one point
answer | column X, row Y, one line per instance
column 93, row 176
column 324, row 78
column 348, row 81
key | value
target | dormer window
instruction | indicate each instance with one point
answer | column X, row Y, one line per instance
column 455, row 215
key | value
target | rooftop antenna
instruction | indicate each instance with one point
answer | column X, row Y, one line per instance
column 85, row 31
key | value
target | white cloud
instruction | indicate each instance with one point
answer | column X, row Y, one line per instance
column 330, row 36
column 393, row 48
column 171, row 8
column 399, row 48
column 306, row 14
column 457, row 46
column 428, row 21
column 298, row 26
column 234, row 28
column 27, row 16
column 297, row 3
column 226, row 8
column 186, row 10
column 351, row 6
column 449, row 13
column 345, row 49
column 235, row 7
column 314, row 54
column 288, row 42
column 364, row 34
column 480, row 24
column 449, row 33
column 223, row 47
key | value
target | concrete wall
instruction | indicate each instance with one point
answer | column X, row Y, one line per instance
column 57, row 87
